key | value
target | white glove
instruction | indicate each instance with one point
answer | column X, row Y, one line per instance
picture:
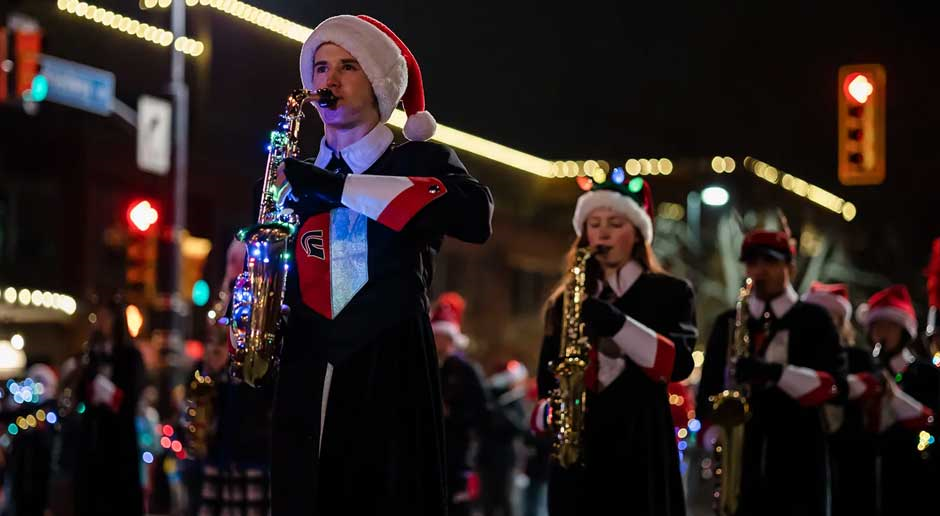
column 103, row 391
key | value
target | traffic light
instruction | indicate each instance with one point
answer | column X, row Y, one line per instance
column 141, row 250
column 195, row 251
column 142, row 215
column 862, row 124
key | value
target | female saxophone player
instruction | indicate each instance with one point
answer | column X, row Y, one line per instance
column 641, row 322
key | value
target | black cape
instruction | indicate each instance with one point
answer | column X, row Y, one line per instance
column 631, row 463
column 383, row 441
column 785, row 457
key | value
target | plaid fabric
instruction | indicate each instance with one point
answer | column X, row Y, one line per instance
column 235, row 491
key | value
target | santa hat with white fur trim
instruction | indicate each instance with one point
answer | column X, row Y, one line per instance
column 390, row 66
column 633, row 199
column 891, row 304
column 833, row 297
column 447, row 316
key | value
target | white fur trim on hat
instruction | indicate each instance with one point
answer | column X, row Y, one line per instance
column 451, row 330
column 866, row 317
column 590, row 201
column 379, row 56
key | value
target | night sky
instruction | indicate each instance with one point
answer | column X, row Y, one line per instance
column 583, row 80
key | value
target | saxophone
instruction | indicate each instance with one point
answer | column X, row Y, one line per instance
column 258, row 293
column 568, row 401
column 730, row 410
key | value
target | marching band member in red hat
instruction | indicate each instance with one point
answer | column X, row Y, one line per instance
column 905, row 421
column 642, row 324
column 793, row 367
column 358, row 423
column 852, row 444
column 465, row 403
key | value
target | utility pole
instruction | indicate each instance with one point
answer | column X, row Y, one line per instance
column 180, row 92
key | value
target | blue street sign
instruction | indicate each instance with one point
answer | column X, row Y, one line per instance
column 78, row 85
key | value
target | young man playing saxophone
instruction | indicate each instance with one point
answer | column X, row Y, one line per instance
column 357, row 416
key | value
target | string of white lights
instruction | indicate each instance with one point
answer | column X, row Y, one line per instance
column 128, row 25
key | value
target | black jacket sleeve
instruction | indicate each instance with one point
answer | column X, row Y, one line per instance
column 684, row 333
column 713, row 370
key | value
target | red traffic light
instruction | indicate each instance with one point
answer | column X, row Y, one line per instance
column 142, row 215
column 858, row 87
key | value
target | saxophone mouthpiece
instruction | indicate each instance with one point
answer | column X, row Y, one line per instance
column 601, row 250
column 325, row 98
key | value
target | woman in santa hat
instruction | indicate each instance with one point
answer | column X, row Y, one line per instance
column 642, row 324
column 911, row 397
column 357, row 416
column 852, row 444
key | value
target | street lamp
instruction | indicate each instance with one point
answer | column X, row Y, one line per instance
column 715, row 196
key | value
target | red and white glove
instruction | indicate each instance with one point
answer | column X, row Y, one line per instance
column 104, row 392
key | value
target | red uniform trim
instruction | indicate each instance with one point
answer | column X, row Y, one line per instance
column 408, row 203
column 664, row 361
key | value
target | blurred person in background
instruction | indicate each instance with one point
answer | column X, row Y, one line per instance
column 465, row 403
column 228, row 437
column 793, row 366
column 507, row 422
column 27, row 441
column 538, row 451
column 852, row 443
column 100, row 397
column 911, row 398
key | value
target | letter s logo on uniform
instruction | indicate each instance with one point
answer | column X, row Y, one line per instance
column 312, row 242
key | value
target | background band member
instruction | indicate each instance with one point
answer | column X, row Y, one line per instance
column 912, row 389
column 853, row 442
column 229, row 441
column 508, row 422
column 465, row 403
column 103, row 389
column 793, row 368
column 358, row 353
column 643, row 323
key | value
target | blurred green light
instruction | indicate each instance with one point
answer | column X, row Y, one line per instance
column 39, row 88
column 201, row 293
column 635, row 185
